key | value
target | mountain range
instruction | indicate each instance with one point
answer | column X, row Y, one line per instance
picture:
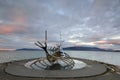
column 76, row 48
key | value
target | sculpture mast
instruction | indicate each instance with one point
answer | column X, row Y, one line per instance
column 60, row 42
column 46, row 36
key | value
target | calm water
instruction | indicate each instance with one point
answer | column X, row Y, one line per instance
column 108, row 57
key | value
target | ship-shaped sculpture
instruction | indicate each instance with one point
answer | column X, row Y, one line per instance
column 55, row 58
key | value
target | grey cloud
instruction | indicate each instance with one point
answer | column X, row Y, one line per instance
column 85, row 20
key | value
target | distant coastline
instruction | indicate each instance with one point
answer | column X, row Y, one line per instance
column 75, row 48
column 28, row 49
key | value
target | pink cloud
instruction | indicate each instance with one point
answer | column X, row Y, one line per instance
column 9, row 28
column 6, row 49
column 4, row 29
column 18, row 22
column 108, row 42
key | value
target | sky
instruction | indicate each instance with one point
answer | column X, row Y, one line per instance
column 79, row 22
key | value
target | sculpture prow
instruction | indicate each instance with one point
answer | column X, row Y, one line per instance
column 50, row 58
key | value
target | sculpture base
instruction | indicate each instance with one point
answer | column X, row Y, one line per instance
column 43, row 64
column 91, row 69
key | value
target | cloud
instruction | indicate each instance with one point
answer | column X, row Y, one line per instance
column 114, row 42
column 6, row 49
column 81, row 22
column 18, row 17
column 16, row 22
column 2, row 40
column 6, row 29
column 10, row 29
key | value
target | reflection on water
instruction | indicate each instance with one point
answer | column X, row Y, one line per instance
column 108, row 57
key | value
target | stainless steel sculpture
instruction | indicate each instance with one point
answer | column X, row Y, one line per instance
column 55, row 58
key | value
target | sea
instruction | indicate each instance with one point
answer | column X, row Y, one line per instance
column 106, row 57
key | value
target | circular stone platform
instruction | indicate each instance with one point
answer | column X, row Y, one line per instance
column 42, row 64
column 92, row 69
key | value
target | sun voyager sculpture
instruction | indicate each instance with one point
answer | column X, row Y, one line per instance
column 55, row 59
